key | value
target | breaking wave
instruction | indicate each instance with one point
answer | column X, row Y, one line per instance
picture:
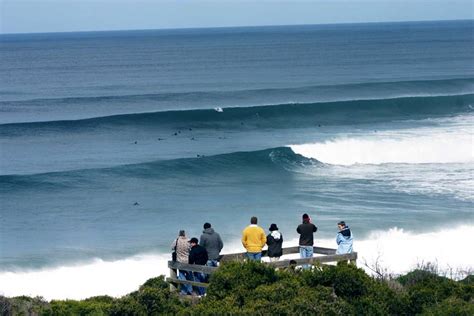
column 395, row 249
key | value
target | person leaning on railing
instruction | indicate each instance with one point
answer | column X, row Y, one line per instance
column 212, row 241
column 275, row 243
column 198, row 255
column 343, row 239
column 253, row 239
column 182, row 247
column 306, row 243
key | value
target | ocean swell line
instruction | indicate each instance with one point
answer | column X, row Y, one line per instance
column 289, row 115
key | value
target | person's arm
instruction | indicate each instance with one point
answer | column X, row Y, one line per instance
column 270, row 240
column 314, row 228
column 244, row 238
column 202, row 241
column 298, row 229
column 191, row 257
column 338, row 238
column 263, row 238
column 219, row 240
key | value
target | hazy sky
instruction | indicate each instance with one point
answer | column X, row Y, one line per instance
column 25, row 16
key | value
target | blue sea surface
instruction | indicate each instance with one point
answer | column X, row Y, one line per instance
column 111, row 142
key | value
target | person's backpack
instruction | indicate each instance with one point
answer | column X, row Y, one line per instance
column 174, row 255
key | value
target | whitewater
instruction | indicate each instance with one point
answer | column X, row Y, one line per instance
column 451, row 142
column 395, row 250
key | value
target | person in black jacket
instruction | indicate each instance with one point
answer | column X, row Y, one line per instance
column 198, row 255
column 306, row 231
column 274, row 242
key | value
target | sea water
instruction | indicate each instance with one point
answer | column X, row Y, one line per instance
column 112, row 142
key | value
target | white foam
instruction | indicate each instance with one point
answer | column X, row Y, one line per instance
column 400, row 251
column 115, row 278
column 374, row 150
column 397, row 250
column 452, row 141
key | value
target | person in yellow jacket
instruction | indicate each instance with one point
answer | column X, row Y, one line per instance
column 253, row 239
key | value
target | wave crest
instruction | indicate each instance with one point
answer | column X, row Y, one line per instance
column 278, row 116
column 411, row 149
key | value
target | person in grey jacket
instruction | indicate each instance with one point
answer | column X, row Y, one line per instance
column 213, row 243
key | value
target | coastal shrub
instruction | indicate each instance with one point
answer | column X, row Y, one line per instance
column 450, row 306
column 156, row 298
column 280, row 298
column 212, row 306
column 158, row 301
column 127, row 306
column 468, row 280
column 381, row 299
column 5, row 306
column 427, row 289
column 157, row 283
column 347, row 280
column 254, row 288
column 93, row 306
column 25, row 305
column 238, row 278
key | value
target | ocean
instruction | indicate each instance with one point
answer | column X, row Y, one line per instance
column 112, row 142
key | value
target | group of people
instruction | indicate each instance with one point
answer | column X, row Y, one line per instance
column 206, row 250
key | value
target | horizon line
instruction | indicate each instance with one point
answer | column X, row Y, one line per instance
column 233, row 27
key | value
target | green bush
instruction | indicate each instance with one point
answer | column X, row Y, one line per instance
column 347, row 280
column 24, row 305
column 254, row 288
column 427, row 289
column 5, row 306
column 127, row 306
column 468, row 280
column 450, row 306
column 70, row 307
column 238, row 278
column 157, row 283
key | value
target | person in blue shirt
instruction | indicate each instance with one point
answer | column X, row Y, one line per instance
column 343, row 239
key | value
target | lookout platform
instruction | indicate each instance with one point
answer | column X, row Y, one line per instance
column 321, row 256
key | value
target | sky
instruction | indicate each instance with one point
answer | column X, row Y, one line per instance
column 31, row 16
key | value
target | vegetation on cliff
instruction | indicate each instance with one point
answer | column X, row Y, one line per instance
column 256, row 289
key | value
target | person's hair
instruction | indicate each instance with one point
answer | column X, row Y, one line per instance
column 207, row 225
column 194, row 240
column 253, row 220
column 182, row 233
column 305, row 216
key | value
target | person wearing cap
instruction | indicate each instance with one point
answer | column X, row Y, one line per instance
column 253, row 239
column 274, row 242
column 306, row 242
column 213, row 243
column 181, row 246
column 343, row 239
column 198, row 255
